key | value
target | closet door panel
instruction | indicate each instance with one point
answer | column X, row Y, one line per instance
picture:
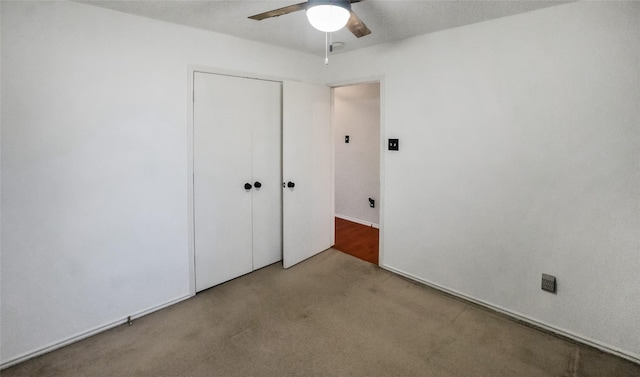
column 223, row 120
column 267, row 170
column 307, row 211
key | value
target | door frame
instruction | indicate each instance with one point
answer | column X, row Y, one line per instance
column 362, row 80
column 191, row 70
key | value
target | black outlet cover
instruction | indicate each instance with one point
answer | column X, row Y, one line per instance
column 394, row 144
column 346, row 139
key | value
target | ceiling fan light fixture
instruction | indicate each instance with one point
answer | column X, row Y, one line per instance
column 328, row 15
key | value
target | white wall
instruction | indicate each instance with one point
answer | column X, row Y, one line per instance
column 519, row 154
column 356, row 112
column 94, row 163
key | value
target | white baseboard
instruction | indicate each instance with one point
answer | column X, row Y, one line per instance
column 353, row 220
column 523, row 318
column 77, row 337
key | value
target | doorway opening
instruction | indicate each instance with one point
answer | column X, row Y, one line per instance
column 356, row 124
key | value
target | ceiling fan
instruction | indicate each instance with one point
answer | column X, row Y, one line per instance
column 324, row 15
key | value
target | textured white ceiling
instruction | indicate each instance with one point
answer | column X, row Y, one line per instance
column 389, row 20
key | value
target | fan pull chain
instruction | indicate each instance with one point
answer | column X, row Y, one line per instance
column 328, row 41
column 326, row 49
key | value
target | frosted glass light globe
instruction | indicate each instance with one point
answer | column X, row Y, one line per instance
column 328, row 18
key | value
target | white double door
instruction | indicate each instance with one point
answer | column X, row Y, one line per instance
column 249, row 138
column 237, row 142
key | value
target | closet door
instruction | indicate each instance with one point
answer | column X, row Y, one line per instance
column 306, row 148
column 267, row 173
column 227, row 111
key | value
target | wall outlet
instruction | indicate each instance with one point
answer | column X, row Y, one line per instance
column 372, row 203
column 394, row 144
column 549, row 283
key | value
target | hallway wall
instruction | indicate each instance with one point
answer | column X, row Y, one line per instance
column 356, row 113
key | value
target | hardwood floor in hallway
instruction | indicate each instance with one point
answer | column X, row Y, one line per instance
column 358, row 240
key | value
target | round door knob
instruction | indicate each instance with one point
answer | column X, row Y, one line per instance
column 247, row 186
column 291, row 184
column 257, row 184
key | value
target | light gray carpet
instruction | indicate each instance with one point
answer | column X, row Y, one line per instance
column 332, row 315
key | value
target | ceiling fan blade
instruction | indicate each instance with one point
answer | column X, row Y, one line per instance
column 279, row 11
column 357, row 27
